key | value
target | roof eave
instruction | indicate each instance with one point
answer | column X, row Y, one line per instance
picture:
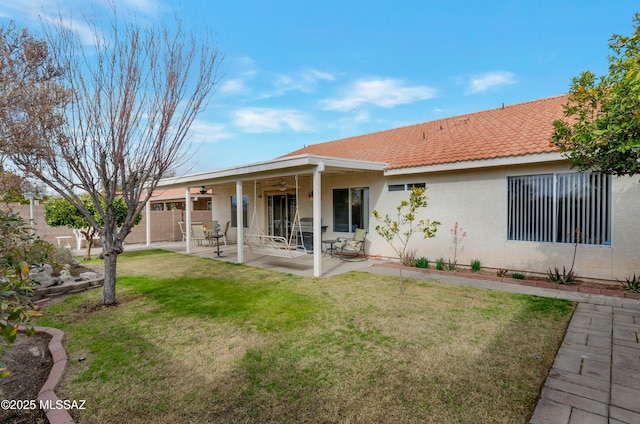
column 483, row 163
column 291, row 164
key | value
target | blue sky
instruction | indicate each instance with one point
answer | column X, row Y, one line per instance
column 304, row 72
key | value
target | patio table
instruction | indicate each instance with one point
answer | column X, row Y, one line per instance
column 329, row 246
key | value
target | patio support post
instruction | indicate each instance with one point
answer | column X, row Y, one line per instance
column 147, row 212
column 240, row 221
column 317, row 220
column 187, row 217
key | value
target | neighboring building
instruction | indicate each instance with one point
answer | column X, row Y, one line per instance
column 174, row 199
column 494, row 172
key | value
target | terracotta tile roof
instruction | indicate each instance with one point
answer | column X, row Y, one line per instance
column 515, row 130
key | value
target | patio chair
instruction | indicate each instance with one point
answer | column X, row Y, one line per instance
column 184, row 233
column 224, row 232
column 198, row 235
column 351, row 248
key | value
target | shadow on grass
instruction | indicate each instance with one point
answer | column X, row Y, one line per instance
column 261, row 305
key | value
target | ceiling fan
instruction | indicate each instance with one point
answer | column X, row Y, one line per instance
column 282, row 185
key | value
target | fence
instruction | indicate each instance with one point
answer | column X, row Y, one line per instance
column 164, row 225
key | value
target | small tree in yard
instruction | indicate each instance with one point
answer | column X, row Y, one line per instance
column 58, row 212
column 602, row 132
column 10, row 186
column 398, row 230
column 108, row 119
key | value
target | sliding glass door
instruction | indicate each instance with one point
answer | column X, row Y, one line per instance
column 281, row 209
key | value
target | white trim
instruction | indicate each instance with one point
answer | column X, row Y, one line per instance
column 187, row 216
column 484, row 163
column 276, row 167
column 317, row 220
column 240, row 220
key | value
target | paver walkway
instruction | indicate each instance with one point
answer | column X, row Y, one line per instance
column 595, row 378
column 596, row 375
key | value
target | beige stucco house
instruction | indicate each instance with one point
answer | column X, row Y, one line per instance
column 493, row 172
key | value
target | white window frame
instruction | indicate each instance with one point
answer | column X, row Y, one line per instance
column 365, row 199
column 405, row 186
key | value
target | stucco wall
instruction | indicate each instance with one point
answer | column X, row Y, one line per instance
column 477, row 201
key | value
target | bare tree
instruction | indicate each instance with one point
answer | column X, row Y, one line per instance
column 129, row 100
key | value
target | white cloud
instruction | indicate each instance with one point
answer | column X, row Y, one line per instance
column 261, row 120
column 319, row 75
column 208, row 132
column 232, row 86
column 76, row 15
column 481, row 83
column 78, row 26
column 144, row 5
column 362, row 117
column 305, row 81
column 387, row 92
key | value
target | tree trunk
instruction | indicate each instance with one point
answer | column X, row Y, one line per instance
column 109, row 286
column 88, row 236
column 87, row 254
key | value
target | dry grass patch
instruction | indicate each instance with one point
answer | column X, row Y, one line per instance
column 233, row 343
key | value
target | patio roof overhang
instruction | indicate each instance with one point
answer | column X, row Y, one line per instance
column 280, row 167
column 309, row 164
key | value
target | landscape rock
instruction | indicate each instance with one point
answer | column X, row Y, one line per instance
column 66, row 277
column 88, row 275
column 43, row 276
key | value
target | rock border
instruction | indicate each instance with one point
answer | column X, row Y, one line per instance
column 59, row 357
column 68, row 288
column 60, row 361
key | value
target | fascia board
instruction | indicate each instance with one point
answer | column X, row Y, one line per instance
column 280, row 166
column 474, row 164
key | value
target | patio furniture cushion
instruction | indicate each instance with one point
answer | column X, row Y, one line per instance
column 351, row 248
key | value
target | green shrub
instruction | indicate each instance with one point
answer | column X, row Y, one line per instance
column 18, row 251
column 409, row 257
column 452, row 266
column 61, row 257
column 475, row 265
column 440, row 264
column 421, row 262
column 633, row 284
column 518, row 275
column 566, row 277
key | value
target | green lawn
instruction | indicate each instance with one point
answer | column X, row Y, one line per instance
column 197, row 340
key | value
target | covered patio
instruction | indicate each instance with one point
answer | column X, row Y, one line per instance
column 300, row 176
column 301, row 265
